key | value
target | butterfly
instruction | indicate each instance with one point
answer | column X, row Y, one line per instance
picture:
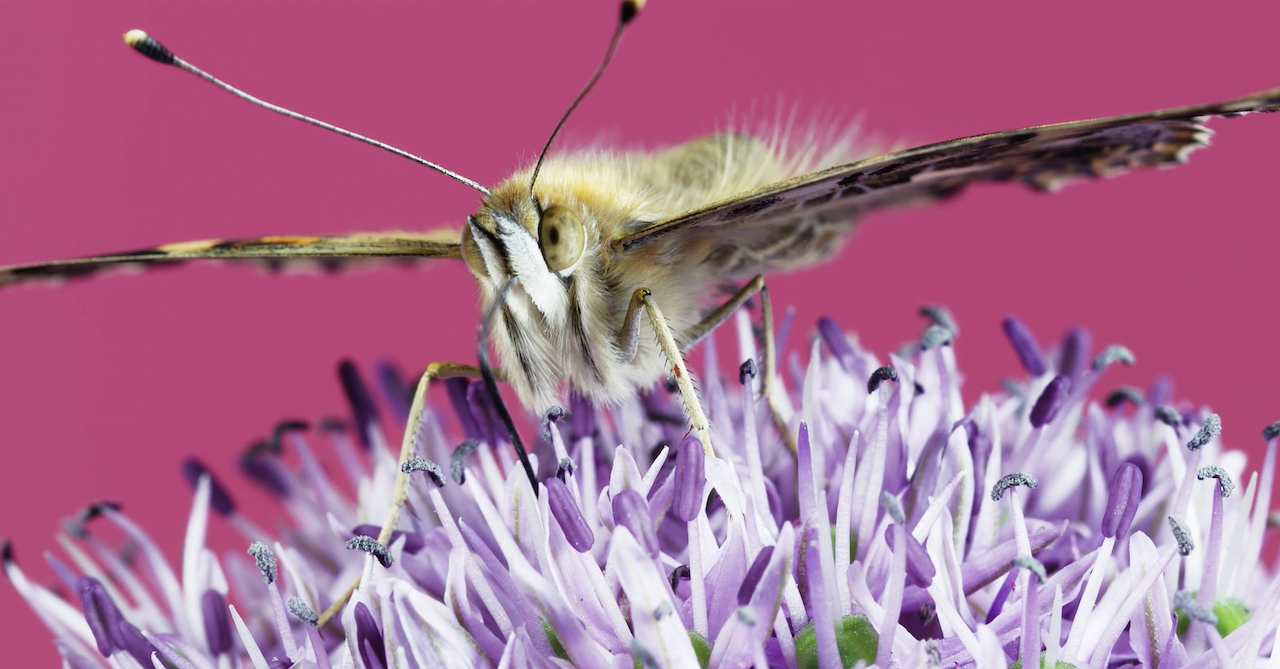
column 604, row 240
column 681, row 249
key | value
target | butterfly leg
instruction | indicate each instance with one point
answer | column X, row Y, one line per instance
column 629, row 343
column 436, row 370
column 770, row 385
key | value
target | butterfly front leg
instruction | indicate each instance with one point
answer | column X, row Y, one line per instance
column 770, row 383
column 436, row 370
column 628, row 344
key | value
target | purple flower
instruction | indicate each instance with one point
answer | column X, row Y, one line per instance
column 908, row 530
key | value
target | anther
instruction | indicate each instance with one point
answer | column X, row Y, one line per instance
column 1124, row 394
column 424, row 465
column 1168, row 415
column 97, row 509
column 880, row 376
column 934, row 336
column 301, row 611
column 1224, row 479
column 680, row 573
column 285, row 427
column 893, row 507
column 1187, row 602
column 457, row 468
column 1032, row 565
column 1011, row 480
column 1113, row 353
column 265, row 560
column 941, row 316
column 549, row 420
column 1211, row 428
column 372, row 547
column 1182, row 535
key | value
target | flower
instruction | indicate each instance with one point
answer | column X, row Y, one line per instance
column 907, row 531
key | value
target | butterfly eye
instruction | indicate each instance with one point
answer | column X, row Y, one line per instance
column 562, row 238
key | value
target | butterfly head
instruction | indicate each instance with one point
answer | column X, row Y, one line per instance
column 549, row 246
column 540, row 246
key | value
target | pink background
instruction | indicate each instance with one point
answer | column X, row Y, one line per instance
column 107, row 385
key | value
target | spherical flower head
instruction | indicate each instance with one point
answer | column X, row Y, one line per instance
column 906, row 530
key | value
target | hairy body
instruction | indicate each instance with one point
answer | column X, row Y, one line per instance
column 564, row 330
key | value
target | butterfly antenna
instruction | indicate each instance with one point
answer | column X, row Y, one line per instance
column 491, row 383
column 149, row 47
column 629, row 10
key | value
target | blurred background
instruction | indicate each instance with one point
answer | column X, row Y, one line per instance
column 107, row 385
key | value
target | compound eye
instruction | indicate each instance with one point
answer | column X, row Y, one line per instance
column 561, row 237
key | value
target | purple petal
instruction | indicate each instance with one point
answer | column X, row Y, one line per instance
column 219, row 500
column 774, row 498
column 582, row 416
column 690, row 481
column 399, row 394
column 1030, row 641
column 485, row 414
column 134, row 643
column 102, row 615
column 457, row 389
column 804, row 469
column 1122, row 502
column 981, row 569
column 754, row 573
column 363, row 409
column 632, row 512
column 1051, row 401
column 1161, row 390
column 263, row 467
column 1024, row 344
column 920, row 569
column 835, row 340
column 1002, row 595
column 1075, row 352
column 217, row 623
column 72, row 657
column 575, row 527
column 369, row 639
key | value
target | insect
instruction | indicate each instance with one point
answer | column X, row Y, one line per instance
column 649, row 249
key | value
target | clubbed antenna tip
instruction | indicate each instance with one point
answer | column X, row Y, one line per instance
column 147, row 45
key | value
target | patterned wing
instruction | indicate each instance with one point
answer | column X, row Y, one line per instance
column 800, row 221
column 280, row 252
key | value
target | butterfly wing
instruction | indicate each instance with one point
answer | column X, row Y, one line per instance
column 801, row 221
column 279, row 252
